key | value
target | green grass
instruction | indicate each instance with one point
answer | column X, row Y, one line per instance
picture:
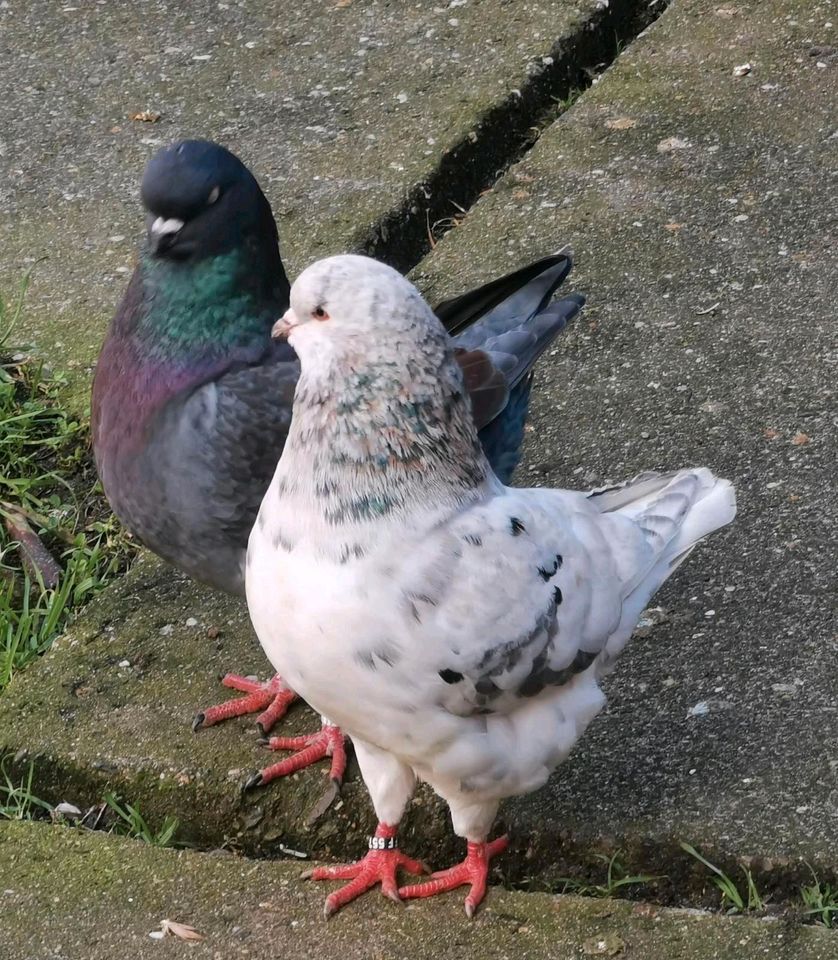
column 130, row 822
column 735, row 900
column 616, row 877
column 48, row 493
column 17, row 802
column 565, row 103
column 821, row 901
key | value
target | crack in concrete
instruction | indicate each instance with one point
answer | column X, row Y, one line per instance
column 505, row 133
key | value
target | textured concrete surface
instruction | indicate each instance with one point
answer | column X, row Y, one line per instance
column 82, row 896
column 701, row 209
column 343, row 109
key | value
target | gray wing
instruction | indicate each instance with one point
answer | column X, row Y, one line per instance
column 511, row 321
column 517, row 595
column 513, row 318
column 213, row 454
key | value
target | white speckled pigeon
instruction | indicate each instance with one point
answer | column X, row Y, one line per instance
column 192, row 397
column 465, row 623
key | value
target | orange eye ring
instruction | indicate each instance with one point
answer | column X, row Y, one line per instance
column 319, row 314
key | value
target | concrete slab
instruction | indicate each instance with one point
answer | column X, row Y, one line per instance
column 84, row 896
column 702, row 209
column 365, row 122
column 707, row 340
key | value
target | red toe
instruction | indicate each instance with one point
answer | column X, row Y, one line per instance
column 378, row 866
column 276, row 710
column 474, row 870
column 272, row 699
column 329, row 741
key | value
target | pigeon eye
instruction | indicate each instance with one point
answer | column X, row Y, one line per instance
column 214, row 194
column 319, row 314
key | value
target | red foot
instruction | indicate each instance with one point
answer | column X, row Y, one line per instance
column 378, row 866
column 329, row 741
column 272, row 698
column 473, row 870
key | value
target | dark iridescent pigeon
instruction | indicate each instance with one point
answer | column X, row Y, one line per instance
column 192, row 398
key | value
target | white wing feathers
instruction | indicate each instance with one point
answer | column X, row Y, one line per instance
column 687, row 507
column 523, row 591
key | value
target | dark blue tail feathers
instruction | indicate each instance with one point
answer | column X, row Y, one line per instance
column 514, row 320
column 503, row 438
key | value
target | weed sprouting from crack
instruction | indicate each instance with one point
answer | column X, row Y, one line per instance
column 820, row 900
column 748, row 901
column 17, row 801
column 616, row 878
column 130, row 822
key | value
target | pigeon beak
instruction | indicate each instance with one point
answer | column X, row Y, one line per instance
column 286, row 323
column 162, row 233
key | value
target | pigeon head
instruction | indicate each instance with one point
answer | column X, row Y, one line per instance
column 352, row 306
column 380, row 409
column 202, row 201
column 379, row 383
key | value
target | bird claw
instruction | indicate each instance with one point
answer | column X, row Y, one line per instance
column 272, row 699
column 252, row 782
column 329, row 741
column 394, row 896
column 474, row 871
column 378, row 866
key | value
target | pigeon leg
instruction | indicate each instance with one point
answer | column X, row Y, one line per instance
column 329, row 741
column 378, row 866
column 272, row 698
column 474, row 870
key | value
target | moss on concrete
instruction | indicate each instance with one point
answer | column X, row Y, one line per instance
column 97, row 898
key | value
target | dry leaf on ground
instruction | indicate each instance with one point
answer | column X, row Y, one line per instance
column 180, row 930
